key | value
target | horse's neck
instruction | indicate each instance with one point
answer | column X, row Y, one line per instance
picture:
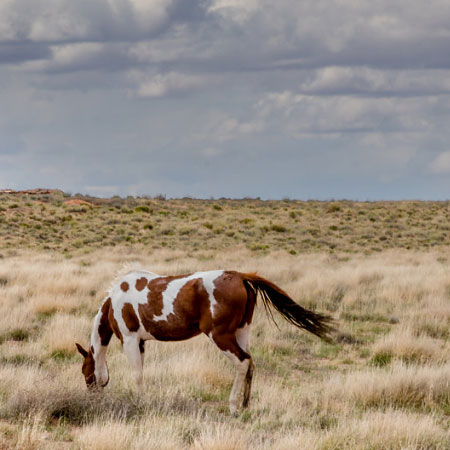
column 96, row 343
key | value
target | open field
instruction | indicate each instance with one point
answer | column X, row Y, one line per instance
column 56, row 221
column 384, row 384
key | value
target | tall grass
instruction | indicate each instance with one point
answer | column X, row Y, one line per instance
column 385, row 383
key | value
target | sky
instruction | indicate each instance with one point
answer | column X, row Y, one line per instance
column 301, row 99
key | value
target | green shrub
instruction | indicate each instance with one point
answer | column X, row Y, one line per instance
column 143, row 208
column 17, row 334
column 333, row 208
column 278, row 228
column 381, row 359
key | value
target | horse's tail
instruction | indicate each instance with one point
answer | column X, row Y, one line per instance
column 274, row 296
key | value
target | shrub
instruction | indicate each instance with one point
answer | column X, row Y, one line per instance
column 278, row 228
column 143, row 208
column 17, row 334
column 333, row 208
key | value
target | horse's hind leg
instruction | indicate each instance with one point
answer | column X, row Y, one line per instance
column 242, row 337
column 240, row 392
column 248, row 384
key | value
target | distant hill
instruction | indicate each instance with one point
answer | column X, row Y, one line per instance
column 52, row 219
column 36, row 191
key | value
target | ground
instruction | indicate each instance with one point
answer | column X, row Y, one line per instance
column 381, row 269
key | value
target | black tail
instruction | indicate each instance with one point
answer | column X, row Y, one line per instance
column 273, row 296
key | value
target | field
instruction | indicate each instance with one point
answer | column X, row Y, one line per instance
column 381, row 269
column 59, row 222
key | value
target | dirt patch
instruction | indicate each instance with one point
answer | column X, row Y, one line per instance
column 78, row 202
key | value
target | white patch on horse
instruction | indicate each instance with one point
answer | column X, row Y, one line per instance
column 243, row 337
column 174, row 287
column 100, row 368
column 135, row 298
column 208, row 283
column 232, row 357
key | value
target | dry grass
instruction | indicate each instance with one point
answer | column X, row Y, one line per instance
column 48, row 222
column 59, row 332
column 384, row 384
column 386, row 430
column 403, row 344
column 423, row 388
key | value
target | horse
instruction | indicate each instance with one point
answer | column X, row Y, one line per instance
column 145, row 306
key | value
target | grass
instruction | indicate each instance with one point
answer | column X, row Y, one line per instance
column 56, row 221
column 384, row 384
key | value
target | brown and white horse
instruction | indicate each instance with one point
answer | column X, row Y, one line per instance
column 220, row 304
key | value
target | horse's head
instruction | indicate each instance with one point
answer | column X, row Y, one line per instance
column 88, row 368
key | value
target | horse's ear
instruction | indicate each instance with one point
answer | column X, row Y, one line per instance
column 83, row 352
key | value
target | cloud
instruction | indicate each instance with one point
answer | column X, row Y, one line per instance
column 210, row 152
column 377, row 33
column 304, row 114
column 441, row 164
column 70, row 58
column 374, row 48
column 323, row 94
column 220, row 128
column 59, row 21
column 237, row 11
column 23, row 52
column 336, row 80
column 173, row 83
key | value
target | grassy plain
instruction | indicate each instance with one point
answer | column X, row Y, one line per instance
column 55, row 221
column 381, row 269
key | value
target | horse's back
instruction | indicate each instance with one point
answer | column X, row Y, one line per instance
column 177, row 307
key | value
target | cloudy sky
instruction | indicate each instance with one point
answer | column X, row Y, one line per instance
column 307, row 99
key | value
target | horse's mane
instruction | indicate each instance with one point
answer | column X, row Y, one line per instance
column 125, row 269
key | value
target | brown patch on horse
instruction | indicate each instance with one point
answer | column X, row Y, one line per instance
column 114, row 325
column 188, row 307
column 249, row 307
column 227, row 342
column 156, row 287
column 104, row 329
column 129, row 317
column 141, row 283
column 231, row 310
column 191, row 301
column 124, row 286
column 234, row 308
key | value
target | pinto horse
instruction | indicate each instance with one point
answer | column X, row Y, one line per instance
column 218, row 303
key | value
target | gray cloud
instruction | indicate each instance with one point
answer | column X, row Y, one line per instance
column 333, row 80
column 20, row 52
column 216, row 97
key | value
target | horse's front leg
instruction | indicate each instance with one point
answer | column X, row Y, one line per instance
column 132, row 347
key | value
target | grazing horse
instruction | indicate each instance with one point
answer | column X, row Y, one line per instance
column 218, row 303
